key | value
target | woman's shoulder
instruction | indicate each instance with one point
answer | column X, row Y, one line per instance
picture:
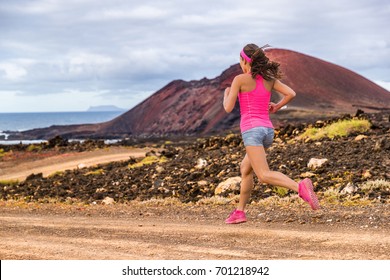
column 244, row 77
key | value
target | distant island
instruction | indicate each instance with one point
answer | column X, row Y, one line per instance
column 105, row 108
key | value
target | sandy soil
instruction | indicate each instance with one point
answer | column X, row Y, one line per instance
column 142, row 230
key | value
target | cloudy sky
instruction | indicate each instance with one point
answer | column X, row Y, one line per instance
column 67, row 55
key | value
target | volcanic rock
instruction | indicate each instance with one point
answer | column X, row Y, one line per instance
column 108, row 201
column 230, row 184
column 349, row 189
column 360, row 137
column 315, row 163
column 201, row 163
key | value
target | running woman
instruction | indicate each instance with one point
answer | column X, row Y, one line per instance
column 253, row 90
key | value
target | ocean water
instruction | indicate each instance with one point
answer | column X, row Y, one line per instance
column 27, row 121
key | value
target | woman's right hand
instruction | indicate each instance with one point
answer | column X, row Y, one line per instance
column 272, row 108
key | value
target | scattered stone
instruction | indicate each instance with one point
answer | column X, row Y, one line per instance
column 381, row 144
column 359, row 113
column 349, row 189
column 307, row 175
column 315, row 163
column 159, row 169
column 57, row 141
column 283, row 166
column 33, row 176
column 366, row 174
column 202, row 163
column 231, row 184
column 360, row 137
column 203, row 183
column 108, row 201
column 356, row 196
column 81, row 166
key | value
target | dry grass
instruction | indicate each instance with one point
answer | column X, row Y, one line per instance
column 148, row 160
column 376, row 185
column 338, row 129
column 216, row 200
column 57, row 173
column 9, row 182
column 170, row 201
column 95, row 172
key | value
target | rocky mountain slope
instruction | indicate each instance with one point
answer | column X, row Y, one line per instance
column 195, row 107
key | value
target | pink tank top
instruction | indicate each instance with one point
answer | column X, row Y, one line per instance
column 254, row 107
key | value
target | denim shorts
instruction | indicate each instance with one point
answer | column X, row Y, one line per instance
column 258, row 136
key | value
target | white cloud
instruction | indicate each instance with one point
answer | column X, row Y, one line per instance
column 42, row 7
column 83, row 62
column 134, row 13
column 12, row 72
column 125, row 47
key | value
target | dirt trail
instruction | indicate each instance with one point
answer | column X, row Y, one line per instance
column 63, row 162
column 166, row 232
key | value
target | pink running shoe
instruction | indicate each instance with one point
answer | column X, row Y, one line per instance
column 236, row 217
column 306, row 192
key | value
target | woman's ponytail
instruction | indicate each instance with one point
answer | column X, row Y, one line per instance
column 260, row 63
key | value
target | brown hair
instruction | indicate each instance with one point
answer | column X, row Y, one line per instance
column 260, row 64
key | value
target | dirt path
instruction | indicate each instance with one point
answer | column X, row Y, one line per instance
column 63, row 162
column 169, row 232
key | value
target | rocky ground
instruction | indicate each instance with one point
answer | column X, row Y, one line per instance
column 207, row 168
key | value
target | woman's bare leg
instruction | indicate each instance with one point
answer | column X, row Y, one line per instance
column 246, row 182
column 258, row 161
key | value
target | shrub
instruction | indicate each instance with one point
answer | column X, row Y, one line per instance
column 2, row 153
column 377, row 185
column 148, row 160
column 280, row 191
column 34, row 148
column 95, row 172
column 341, row 128
column 57, row 173
column 9, row 182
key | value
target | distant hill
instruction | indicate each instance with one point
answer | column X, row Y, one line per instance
column 105, row 108
column 195, row 107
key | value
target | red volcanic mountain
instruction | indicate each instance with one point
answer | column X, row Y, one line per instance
column 321, row 85
column 195, row 107
column 180, row 108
